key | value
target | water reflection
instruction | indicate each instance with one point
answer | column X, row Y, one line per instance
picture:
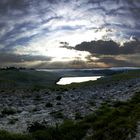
column 69, row 80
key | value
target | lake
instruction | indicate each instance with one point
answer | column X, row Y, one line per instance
column 69, row 80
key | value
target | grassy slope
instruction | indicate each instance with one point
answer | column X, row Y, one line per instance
column 39, row 79
column 27, row 78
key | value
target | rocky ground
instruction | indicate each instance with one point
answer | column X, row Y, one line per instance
column 20, row 108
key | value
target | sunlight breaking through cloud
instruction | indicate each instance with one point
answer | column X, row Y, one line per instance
column 37, row 27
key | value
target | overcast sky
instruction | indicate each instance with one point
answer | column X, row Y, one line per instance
column 31, row 32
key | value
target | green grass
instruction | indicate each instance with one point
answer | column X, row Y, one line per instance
column 30, row 79
column 109, row 122
column 4, row 135
column 115, row 122
column 8, row 111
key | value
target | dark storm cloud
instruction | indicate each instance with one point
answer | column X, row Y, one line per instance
column 109, row 47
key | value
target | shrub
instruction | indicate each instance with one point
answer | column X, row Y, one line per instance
column 57, row 114
column 35, row 126
column 37, row 97
column 92, row 103
column 49, row 105
column 58, row 97
column 8, row 111
column 13, row 120
column 78, row 116
column 58, row 103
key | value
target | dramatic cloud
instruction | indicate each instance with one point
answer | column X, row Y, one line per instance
column 109, row 47
column 33, row 29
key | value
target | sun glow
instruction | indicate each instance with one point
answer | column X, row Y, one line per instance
column 50, row 46
column 64, row 54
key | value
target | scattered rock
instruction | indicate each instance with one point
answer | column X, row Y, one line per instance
column 20, row 108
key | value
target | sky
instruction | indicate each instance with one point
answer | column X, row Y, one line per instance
column 51, row 33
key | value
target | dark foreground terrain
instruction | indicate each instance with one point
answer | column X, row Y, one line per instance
column 106, row 109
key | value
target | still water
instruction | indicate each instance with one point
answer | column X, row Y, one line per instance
column 69, row 80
